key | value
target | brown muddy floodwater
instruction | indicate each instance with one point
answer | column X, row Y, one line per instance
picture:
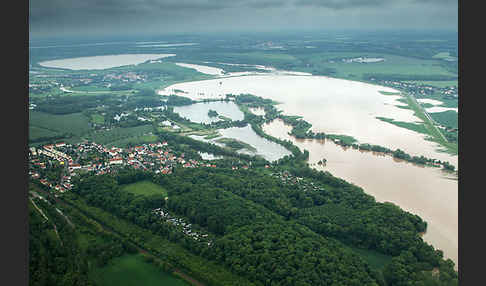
column 350, row 108
column 333, row 106
column 428, row 192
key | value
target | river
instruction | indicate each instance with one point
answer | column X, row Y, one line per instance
column 331, row 105
column 350, row 108
column 429, row 192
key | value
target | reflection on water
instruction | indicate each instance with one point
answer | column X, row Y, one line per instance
column 420, row 190
column 198, row 112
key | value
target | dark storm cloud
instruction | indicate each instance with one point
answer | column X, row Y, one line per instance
column 119, row 16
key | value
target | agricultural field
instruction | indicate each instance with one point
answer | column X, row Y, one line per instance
column 427, row 127
column 36, row 133
column 119, row 133
column 394, row 65
column 75, row 123
column 145, row 188
column 135, row 140
column 133, row 270
column 90, row 88
column 447, row 118
column 98, row 119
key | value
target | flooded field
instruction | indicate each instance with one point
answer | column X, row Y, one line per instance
column 428, row 192
column 102, row 62
column 439, row 109
column 269, row 150
column 330, row 105
column 202, row 69
column 199, row 112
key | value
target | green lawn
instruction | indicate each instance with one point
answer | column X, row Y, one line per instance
column 133, row 270
column 145, row 188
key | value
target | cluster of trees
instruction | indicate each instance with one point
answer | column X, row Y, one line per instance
column 212, row 113
column 68, row 104
column 119, row 87
column 300, row 129
column 175, row 100
column 56, row 254
column 274, row 251
column 255, row 101
column 179, row 141
column 278, row 233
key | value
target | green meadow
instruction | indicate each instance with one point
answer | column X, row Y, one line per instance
column 133, row 270
column 119, row 133
column 75, row 123
column 145, row 188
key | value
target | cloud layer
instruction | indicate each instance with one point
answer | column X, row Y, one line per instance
column 58, row 17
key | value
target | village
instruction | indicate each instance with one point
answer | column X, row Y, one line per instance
column 92, row 157
column 39, row 85
column 420, row 90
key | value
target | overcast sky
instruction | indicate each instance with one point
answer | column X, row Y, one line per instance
column 115, row 17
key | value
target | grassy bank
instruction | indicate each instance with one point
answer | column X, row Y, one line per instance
column 134, row 270
column 430, row 128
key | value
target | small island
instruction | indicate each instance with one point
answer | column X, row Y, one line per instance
column 212, row 113
column 235, row 144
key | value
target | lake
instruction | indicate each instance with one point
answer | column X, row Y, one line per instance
column 269, row 150
column 428, row 192
column 199, row 112
column 102, row 62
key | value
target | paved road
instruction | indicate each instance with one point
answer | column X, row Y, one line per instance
column 428, row 117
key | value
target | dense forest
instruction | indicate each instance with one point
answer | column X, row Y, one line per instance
column 282, row 228
column 64, row 246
